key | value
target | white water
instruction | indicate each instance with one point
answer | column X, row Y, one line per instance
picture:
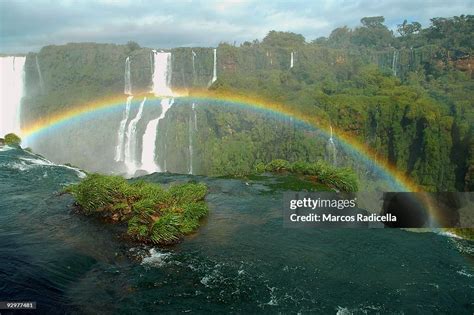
column 194, row 56
column 131, row 144
column 161, row 80
column 395, row 62
column 331, row 149
column 128, row 83
column 149, row 139
column 119, row 152
column 12, row 87
column 214, row 71
column 292, row 60
column 192, row 124
column 40, row 76
column 161, row 77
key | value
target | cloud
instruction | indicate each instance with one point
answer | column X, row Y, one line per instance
column 29, row 25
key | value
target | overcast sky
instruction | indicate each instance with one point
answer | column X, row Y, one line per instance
column 27, row 25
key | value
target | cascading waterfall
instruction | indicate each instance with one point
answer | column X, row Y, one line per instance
column 128, row 83
column 40, row 75
column 214, row 71
column 131, row 144
column 149, row 154
column 292, row 60
column 331, row 149
column 12, row 87
column 194, row 56
column 161, row 73
column 395, row 62
column 161, row 79
column 119, row 148
column 192, row 125
column 119, row 152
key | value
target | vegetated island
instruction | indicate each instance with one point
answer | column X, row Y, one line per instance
column 152, row 213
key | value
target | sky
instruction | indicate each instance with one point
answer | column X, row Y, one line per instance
column 28, row 25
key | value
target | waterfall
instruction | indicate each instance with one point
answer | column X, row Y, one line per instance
column 161, row 77
column 331, row 149
column 194, row 56
column 214, row 71
column 395, row 62
column 119, row 153
column 40, row 76
column 291, row 60
column 149, row 139
column 131, row 144
column 128, row 84
column 161, row 80
column 11, row 86
column 192, row 125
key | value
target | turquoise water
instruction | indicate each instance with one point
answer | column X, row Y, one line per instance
column 242, row 260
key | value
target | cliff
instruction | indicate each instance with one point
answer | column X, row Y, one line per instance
column 394, row 100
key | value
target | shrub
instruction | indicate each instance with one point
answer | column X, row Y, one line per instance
column 12, row 140
column 260, row 167
column 343, row 179
column 278, row 166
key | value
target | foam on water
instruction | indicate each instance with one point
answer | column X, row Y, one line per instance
column 155, row 258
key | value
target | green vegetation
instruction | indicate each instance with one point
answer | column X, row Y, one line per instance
column 153, row 214
column 343, row 179
column 407, row 97
column 12, row 140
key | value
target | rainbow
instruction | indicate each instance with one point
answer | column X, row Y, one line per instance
column 403, row 182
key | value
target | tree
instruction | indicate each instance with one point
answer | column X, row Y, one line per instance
column 131, row 45
column 373, row 21
column 284, row 39
column 452, row 33
column 340, row 37
column 407, row 29
column 320, row 40
column 373, row 33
